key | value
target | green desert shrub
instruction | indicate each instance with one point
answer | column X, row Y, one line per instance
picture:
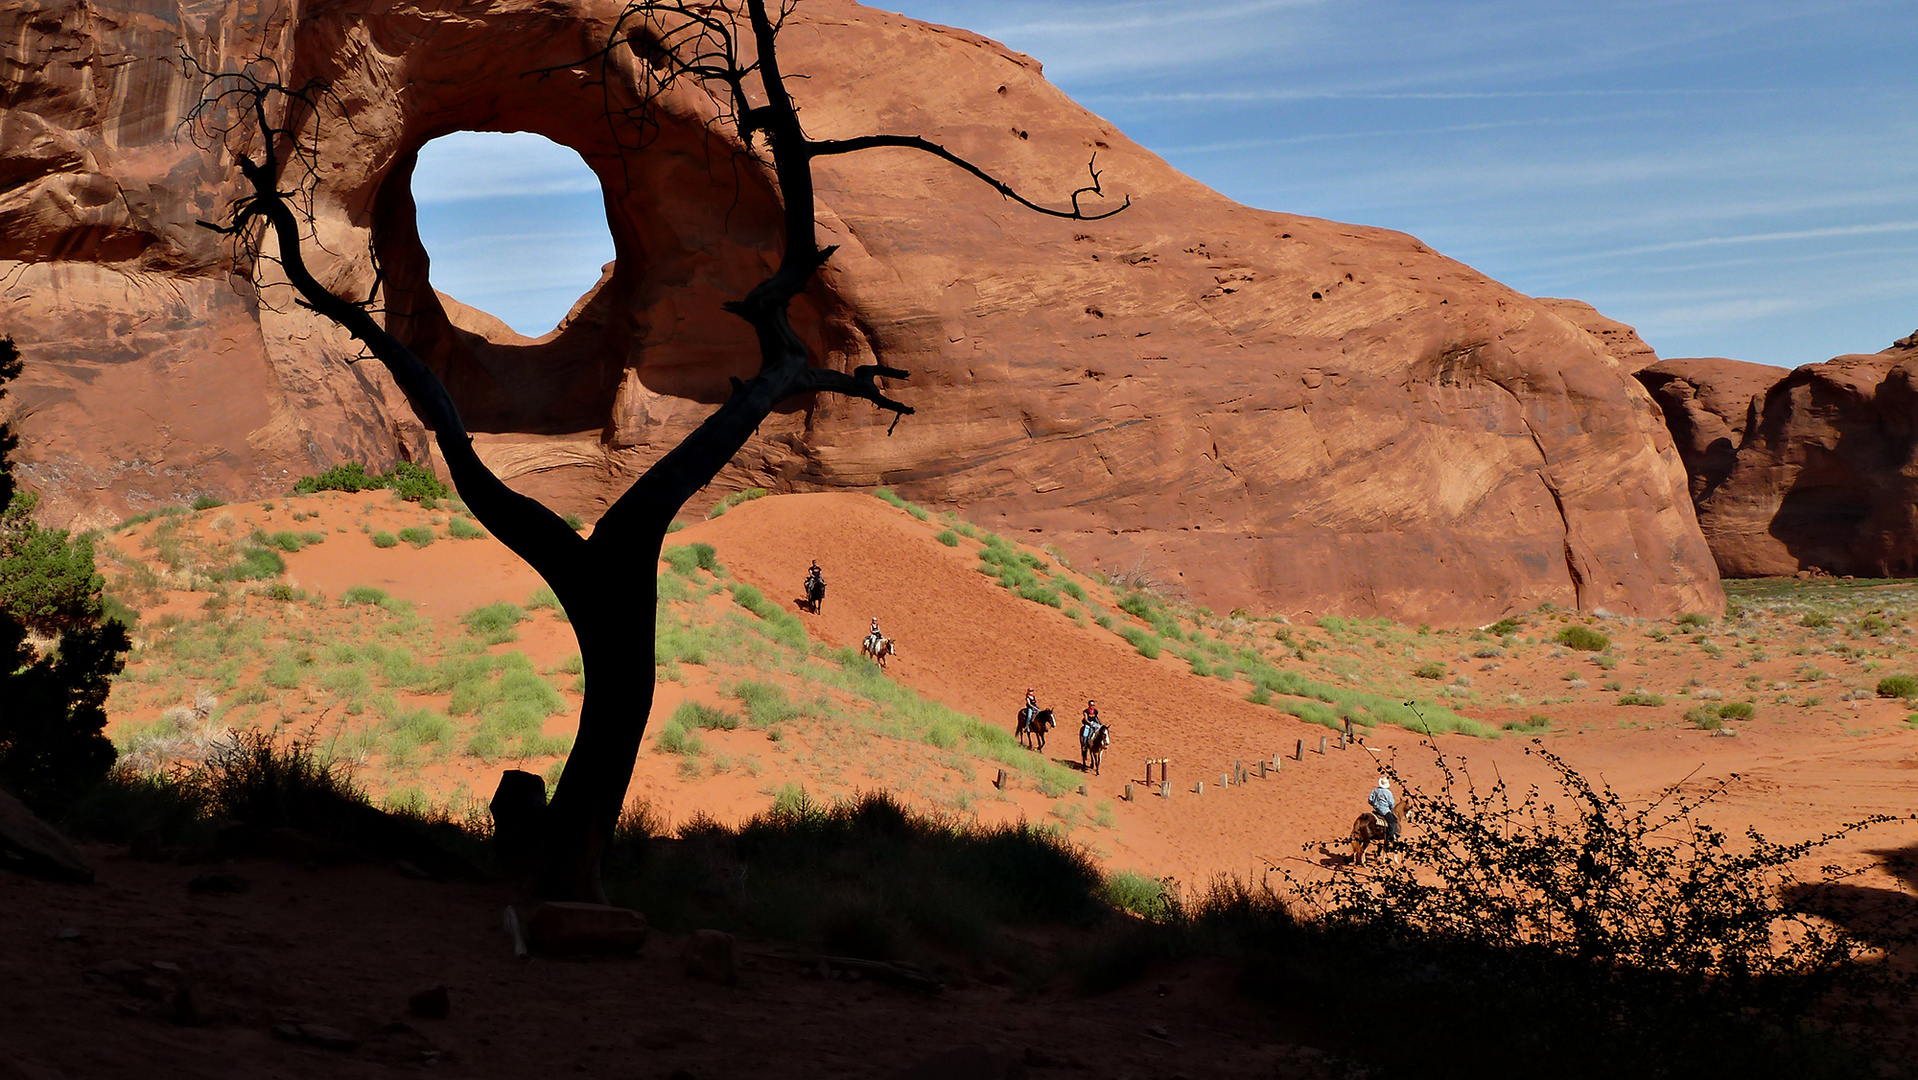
column 694, row 714
column 418, row 535
column 1143, row 896
column 255, row 564
column 494, row 623
column 416, row 483
column 545, row 597
column 737, row 497
column 384, row 539
column 462, row 528
column 887, row 495
column 1898, row 686
column 1704, row 717
column 1584, row 638
column 350, row 476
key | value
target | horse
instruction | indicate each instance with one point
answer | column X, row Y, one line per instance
column 1371, row 831
column 878, row 650
column 1032, row 727
column 1094, row 748
column 815, row 592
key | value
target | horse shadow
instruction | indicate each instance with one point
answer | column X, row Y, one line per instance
column 1884, row 917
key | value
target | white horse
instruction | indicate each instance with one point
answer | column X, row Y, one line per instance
column 878, row 648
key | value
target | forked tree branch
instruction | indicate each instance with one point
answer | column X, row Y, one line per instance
column 830, row 147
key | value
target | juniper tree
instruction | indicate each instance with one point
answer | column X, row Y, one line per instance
column 52, row 704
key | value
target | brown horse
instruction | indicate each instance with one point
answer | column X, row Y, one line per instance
column 1370, row 831
column 1091, row 750
column 878, row 651
column 1032, row 727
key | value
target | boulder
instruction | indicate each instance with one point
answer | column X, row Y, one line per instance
column 430, row 1002
column 577, row 929
column 1249, row 408
column 712, row 956
column 31, row 846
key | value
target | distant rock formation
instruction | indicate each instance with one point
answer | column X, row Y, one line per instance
column 1814, row 468
column 1255, row 409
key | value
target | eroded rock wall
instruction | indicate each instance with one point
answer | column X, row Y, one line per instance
column 1256, row 409
column 1817, row 467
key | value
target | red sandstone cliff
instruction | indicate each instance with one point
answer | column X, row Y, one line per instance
column 1817, row 467
column 1265, row 410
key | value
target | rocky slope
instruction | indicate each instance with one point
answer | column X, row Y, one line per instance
column 1813, row 468
column 1252, row 408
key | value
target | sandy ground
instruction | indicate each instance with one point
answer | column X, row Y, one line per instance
column 343, row 948
column 1793, row 771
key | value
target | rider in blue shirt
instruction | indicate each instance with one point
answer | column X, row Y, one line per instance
column 1091, row 725
column 1383, row 804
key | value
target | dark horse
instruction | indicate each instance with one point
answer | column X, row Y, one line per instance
column 1093, row 748
column 815, row 592
column 1032, row 727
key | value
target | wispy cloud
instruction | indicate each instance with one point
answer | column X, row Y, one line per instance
column 481, row 165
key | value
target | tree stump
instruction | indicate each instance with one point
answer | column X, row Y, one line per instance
column 518, row 804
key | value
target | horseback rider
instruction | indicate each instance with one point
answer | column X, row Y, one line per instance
column 873, row 637
column 1090, row 725
column 1383, row 804
column 1032, row 706
column 813, row 577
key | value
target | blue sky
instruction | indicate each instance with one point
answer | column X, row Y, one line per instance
column 1734, row 179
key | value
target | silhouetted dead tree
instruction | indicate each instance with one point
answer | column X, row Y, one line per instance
column 606, row 581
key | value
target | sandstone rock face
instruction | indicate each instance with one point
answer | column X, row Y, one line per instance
column 1709, row 404
column 1619, row 340
column 1254, row 409
column 1817, row 467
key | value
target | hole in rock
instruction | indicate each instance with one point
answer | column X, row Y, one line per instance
column 514, row 225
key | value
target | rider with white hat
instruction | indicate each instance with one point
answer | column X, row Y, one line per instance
column 1383, row 803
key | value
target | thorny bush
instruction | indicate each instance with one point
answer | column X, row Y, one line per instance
column 1634, row 936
